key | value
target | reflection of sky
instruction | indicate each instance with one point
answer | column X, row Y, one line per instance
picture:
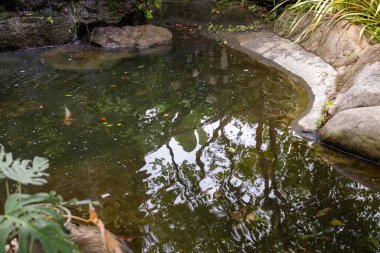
column 214, row 162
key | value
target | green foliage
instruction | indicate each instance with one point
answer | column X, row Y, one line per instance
column 324, row 114
column 23, row 171
column 33, row 218
column 233, row 28
column 148, row 6
column 26, row 215
column 363, row 12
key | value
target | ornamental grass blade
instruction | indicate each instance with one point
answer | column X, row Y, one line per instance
column 25, row 171
column 35, row 222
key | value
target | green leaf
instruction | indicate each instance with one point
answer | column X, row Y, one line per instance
column 323, row 212
column 148, row 14
column 336, row 223
column 5, row 160
column 23, row 171
column 34, row 218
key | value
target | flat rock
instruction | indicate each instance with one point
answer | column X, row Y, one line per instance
column 137, row 37
column 356, row 130
column 26, row 32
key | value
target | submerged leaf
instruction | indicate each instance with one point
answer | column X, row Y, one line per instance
column 236, row 215
column 251, row 217
column 336, row 223
column 323, row 212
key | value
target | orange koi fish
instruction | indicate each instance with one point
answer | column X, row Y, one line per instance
column 68, row 119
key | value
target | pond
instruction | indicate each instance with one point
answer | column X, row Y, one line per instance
column 188, row 148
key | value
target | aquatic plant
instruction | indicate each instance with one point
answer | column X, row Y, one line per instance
column 363, row 12
column 34, row 220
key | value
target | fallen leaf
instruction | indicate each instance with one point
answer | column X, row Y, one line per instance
column 251, row 217
column 103, row 118
column 236, row 215
column 323, row 212
column 113, row 85
column 109, row 125
column 68, row 95
column 119, row 124
column 166, row 115
column 336, row 223
column 195, row 73
column 231, row 149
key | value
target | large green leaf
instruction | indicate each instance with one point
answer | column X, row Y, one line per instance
column 33, row 218
column 23, row 171
column 5, row 160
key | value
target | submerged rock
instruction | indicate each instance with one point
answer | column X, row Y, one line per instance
column 137, row 37
column 71, row 58
column 26, row 32
column 90, row 58
column 355, row 129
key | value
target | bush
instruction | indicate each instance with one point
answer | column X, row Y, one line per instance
column 364, row 12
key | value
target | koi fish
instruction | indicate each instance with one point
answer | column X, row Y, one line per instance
column 68, row 119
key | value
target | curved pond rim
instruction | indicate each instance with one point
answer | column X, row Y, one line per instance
column 313, row 136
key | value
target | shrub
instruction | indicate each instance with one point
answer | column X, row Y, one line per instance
column 365, row 12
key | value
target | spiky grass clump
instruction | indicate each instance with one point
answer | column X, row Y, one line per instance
column 365, row 12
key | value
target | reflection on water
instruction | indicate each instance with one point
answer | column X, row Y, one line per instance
column 188, row 151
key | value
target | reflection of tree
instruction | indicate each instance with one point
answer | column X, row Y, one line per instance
column 223, row 171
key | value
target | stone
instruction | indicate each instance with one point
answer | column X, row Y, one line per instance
column 137, row 37
column 359, row 85
column 26, row 32
column 365, row 90
column 338, row 43
column 89, row 58
column 356, row 130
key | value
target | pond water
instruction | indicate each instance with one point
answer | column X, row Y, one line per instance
column 188, row 148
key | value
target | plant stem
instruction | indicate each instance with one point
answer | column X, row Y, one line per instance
column 7, row 187
column 77, row 218
column 19, row 187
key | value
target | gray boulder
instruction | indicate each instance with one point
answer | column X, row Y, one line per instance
column 137, row 37
column 338, row 43
column 359, row 85
column 356, row 130
column 26, row 32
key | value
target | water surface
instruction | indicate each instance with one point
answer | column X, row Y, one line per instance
column 189, row 149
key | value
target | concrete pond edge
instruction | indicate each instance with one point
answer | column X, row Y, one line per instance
column 315, row 74
column 351, row 130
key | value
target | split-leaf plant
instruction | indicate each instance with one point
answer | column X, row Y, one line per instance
column 34, row 220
